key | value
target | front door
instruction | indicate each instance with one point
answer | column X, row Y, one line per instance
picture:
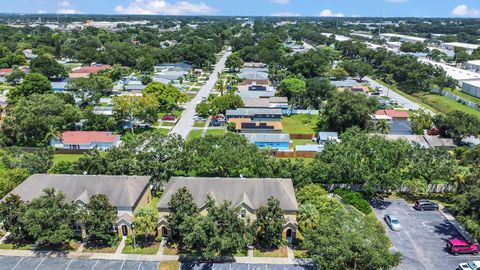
column 124, row 230
column 164, row 232
column 289, row 236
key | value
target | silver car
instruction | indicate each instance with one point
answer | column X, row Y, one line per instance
column 392, row 222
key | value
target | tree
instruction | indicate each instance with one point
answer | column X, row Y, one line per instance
column 318, row 90
column 99, row 219
column 145, row 221
column 457, row 125
column 28, row 121
column 410, row 47
column 339, row 73
column 33, row 83
column 347, row 110
column 167, row 96
column 49, row 218
column 357, row 68
column 461, row 55
column 226, row 102
column 181, row 207
column 344, row 240
column 383, row 126
column 234, row 62
column 38, row 161
column 145, row 64
column 91, row 88
column 15, row 76
column 47, row 66
column 12, row 210
column 197, row 233
column 269, row 224
column 292, row 88
column 9, row 179
column 220, row 86
column 134, row 108
column 420, row 120
column 437, row 55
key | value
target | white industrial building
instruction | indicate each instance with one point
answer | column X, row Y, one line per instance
column 402, row 38
column 452, row 45
column 472, row 88
column 473, row 65
column 461, row 75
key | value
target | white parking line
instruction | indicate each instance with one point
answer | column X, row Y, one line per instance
column 66, row 268
column 139, row 265
column 94, row 265
column 121, row 266
column 40, row 262
column 18, row 263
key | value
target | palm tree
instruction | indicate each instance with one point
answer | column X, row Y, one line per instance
column 220, row 86
column 52, row 134
column 383, row 126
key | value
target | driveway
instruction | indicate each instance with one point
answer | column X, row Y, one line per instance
column 423, row 237
column 46, row 263
column 405, row 102
column 185, row 123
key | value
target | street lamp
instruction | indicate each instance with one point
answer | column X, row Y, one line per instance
column 133, row 232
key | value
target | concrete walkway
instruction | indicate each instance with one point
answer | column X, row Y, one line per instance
column 121, row 246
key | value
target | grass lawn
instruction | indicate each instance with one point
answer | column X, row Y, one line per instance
column 302, row 141
column 198, row 84
column 444, row 104
column 151, row 249
column 194, row 134
column 168, row 124
column 100, row 249
column 71, row 246
column 410, row 97
column 2, row 167
column 169, row 265
column 300, row 124
column 215, row 132
column 199, row 124
column 464, row 95
column 162, row 131
column 278, row 253
column 16, row 246
column 66, row 157
column 300, row 254
column 190, row 96
column 195, row 89
column 170, row 250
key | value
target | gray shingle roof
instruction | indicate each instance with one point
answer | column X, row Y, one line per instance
column 253, row 111
column 122, row 191
column 253, row 192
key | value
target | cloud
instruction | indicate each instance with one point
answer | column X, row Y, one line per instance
column 66, row 8
column 329, row 13
column 165, row 8
column 64, row 4
column 286, row 14
column 41, row 11
column 464, row 10
column 280, row 2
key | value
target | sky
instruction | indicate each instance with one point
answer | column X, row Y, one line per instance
column 340, row 8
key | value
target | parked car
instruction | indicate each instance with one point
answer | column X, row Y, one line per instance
column 392, row 222
column 460, row 246
column 470, row 265
column 168, row 118
column 425, row 205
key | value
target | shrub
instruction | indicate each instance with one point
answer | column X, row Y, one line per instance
column 356, row 199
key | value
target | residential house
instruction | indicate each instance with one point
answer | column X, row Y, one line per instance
column 425, row 141
column 276, row 141
column 317, row 148
column 394, row 114
column 125, row 193
column 247, row 194
column 103, row 110
column 254, row 82
column 171, row 72
column 101, row 140
column 271, row 102
column 350, row 84
column 255, row 94
column 245, row 125
column 59, row 87
column 253, row 74
column 255, row 114
column 85, row 71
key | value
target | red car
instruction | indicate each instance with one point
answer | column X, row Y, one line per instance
column 459, row 246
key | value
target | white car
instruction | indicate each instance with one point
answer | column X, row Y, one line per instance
column 470, row 265
column 392, row 222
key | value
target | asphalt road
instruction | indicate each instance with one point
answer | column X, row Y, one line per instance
column 405, row 102
column 423, row 237
column 242, row 266
column 45, row 263
column 185, row 123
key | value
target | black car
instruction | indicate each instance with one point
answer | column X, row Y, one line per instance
column 425, row 205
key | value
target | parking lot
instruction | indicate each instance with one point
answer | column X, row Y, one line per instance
column 242, row 266
column 423, row 237
column 45, row 263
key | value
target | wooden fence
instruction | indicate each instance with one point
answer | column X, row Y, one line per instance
column 294, row 136
column 293, row 154
column 56, row 150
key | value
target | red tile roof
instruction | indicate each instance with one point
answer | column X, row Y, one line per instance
column 87, row 137
column 5, row 70
column 393, row 113
column 91, row 69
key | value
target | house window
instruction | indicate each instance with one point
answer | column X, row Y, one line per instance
column 243, row 213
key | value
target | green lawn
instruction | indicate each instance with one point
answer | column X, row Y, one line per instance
column 278, row 253
column 199, row 124
column 300, row 124
column 151, row 249
column 16, row 246
column 215, row 132
column 100, row 249
column 300, row 254
column 444, row 104
column 2, row 167
column 198, row 84
column 66, row 157
column 410, row 97
column 195, row 89
column 302, row 141
column 194, row 134
column 464, row 95
column 168, row 124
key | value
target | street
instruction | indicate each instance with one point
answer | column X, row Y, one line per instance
column 186, row 122
column 423, row 236
column 405, row 102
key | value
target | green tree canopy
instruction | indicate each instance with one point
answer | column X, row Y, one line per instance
column 167, row 96
column 33, row 83
column 99, row 218
column 269, row 224
column 457, row 125
column 47, row 66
